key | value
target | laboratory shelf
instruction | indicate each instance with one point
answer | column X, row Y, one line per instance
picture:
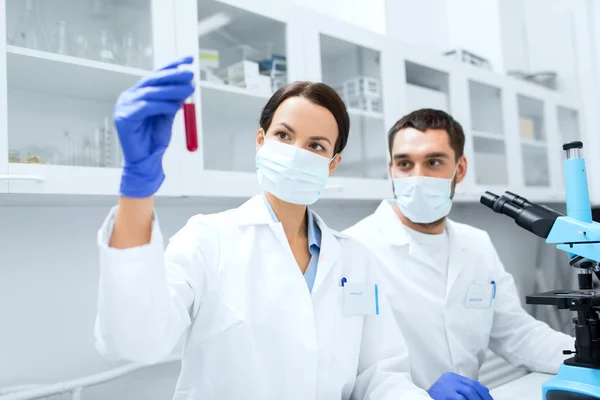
column 63, row 179
column 487, row 135
column 366, row 114
column 40, row 71
column 226, row 90
column 534, row 143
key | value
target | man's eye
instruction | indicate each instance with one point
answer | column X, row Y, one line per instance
column 403, row 164
column 435, row 163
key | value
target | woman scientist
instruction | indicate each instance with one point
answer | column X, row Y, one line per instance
column 274, row 304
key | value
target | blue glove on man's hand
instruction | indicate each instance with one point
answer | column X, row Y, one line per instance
column 144, row 117
column 451, row 386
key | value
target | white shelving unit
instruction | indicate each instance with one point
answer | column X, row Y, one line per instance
column 514, row 129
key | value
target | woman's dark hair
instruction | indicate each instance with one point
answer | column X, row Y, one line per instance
column 317, row 93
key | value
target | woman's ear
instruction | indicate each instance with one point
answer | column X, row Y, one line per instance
column 334, row 163
column 260, row 138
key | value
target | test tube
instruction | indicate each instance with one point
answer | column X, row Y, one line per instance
column 191, row 130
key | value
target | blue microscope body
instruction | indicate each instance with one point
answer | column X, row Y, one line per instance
column 578, row 235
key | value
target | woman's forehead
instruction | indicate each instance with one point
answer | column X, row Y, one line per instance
column 304, row 116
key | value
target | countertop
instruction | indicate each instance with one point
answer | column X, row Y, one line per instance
column 528, row 387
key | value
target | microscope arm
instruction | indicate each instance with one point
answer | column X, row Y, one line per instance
column 576, row 237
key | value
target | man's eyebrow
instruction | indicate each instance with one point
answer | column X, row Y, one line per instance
column 437, row 154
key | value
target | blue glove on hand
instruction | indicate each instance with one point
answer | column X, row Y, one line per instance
column 144, row 117
column 451, row 386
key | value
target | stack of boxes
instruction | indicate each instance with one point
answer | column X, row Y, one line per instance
column 245, row 74
column 363, row 93
column 263, row 77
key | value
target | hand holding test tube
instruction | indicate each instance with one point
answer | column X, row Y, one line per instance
column 144, row 117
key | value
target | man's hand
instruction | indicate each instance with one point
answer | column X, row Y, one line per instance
column 451, row 386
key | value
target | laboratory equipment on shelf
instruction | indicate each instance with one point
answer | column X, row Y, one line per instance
column 62, row 39
column 31, row 27
column 578, row 235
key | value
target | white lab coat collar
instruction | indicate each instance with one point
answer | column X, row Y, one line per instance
column 255, row 212
column 394, row 232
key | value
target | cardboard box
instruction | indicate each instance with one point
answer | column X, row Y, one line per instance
column 527, row 128
column 242, row 71
column 208, row 58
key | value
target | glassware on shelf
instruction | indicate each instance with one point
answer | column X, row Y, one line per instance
column 62, row 38
column 105, row 49
column 103, row 140
column 81, row 46
column 68, row 150
column 145, row 56
column 87, row 153
column 130, row 51
column 31, row 28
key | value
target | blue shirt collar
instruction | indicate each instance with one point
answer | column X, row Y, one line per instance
column 314, row 232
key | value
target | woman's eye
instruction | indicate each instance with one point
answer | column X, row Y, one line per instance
column 317, row 146
column 283, row 135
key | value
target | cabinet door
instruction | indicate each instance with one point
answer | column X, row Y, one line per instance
column 352, row 60
column 67, row 63
column 246, row 51
column 3, row 107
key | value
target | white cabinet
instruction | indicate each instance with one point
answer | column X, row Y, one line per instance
column 357, row 63
column 63, row 66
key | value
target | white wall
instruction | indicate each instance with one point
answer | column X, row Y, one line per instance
column 48, row 278
column 368, row 14
column 422, row 23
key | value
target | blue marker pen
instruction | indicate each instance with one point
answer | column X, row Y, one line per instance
column 493, row 289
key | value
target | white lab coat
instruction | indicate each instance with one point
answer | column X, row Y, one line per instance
column 505, row 327
column 229, row 281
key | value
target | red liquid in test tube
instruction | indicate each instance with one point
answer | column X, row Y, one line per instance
column 191, row 132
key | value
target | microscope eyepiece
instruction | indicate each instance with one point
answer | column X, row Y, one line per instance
column 488, row 199
column 536, row 219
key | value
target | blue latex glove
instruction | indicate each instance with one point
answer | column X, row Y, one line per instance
column 144, row 117
column 452, row 386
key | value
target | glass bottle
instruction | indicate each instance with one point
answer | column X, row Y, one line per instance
column 30, row 30
column 69, row 150
column 62, row 38
column 105, row 48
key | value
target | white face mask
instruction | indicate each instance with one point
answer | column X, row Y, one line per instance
column 290, row 173
column 423, row 199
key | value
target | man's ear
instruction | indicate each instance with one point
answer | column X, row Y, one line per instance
column 461, row 169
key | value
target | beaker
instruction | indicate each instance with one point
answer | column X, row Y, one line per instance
column 30, row 30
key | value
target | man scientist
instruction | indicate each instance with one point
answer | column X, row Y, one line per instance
column 463, row 300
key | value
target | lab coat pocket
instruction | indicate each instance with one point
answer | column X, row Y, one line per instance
column 348, row 328
column 477, row 323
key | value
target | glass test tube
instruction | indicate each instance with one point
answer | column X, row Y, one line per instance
column 191, row 130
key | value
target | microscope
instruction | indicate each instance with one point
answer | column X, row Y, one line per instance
column 576, row 234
